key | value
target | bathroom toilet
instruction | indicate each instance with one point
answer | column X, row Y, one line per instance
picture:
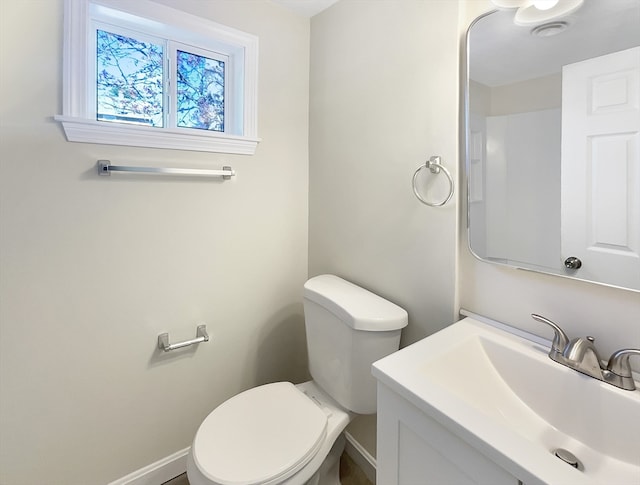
column 282, row 433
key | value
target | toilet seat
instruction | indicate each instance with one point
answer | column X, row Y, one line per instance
column 260, row 436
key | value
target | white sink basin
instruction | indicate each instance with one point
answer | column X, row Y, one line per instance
column 503, row 395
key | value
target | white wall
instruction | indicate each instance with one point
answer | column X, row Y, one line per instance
column 611, row 315
column 383, row 100
column 93, row 269
column 522, row 189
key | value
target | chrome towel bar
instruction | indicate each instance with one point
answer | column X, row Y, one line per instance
column 105, row 168
column 201, row 336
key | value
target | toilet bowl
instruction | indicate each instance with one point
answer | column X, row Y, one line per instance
column 286, row 434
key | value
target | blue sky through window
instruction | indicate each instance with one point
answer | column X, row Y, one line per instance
column 200, row 92
column 129, row 77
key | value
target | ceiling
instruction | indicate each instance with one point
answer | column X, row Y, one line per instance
column 306, row 8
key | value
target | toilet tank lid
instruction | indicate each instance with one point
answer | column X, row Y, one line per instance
column 355, row 306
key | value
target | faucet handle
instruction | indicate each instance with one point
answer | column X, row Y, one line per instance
column 621, row 369
column 560, row 339
column 619, row 362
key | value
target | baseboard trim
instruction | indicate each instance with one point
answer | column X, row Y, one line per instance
column 361, row 457
column 159, row 472
column 173, row 465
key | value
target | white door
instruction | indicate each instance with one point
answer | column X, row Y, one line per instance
column 601, row 167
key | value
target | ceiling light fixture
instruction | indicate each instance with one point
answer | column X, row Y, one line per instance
column 535, row 12
column 511, row 3
column 545, row 4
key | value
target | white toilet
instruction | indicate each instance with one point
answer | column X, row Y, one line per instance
column 285, row 434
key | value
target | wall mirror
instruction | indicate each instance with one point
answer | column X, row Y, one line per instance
column 553, row 144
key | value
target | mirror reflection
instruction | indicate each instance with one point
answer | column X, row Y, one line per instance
column 553, row 143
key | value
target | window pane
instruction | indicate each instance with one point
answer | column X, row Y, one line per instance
column 200, row 87
column 129, row 80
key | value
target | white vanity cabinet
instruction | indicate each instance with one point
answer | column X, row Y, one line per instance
column 414, row 449
column 478, row 403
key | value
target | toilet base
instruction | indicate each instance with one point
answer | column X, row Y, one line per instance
column 329, row 472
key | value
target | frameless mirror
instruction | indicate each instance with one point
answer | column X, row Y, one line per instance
column 553, row 143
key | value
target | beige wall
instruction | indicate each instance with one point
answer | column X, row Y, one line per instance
column 383, row 100
column 611, row 315
column 522, row 97
column 383, row 97
column 93, row 269
column 531, row 95
column 479, row 99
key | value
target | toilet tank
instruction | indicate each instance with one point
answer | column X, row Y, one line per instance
column 348, row 329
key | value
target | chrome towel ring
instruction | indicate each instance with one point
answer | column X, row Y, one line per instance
column 434, row 165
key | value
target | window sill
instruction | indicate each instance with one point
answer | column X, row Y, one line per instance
column 89, row 131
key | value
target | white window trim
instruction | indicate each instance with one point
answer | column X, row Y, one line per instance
column 79, row 127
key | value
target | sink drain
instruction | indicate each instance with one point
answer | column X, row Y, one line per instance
column 568, row 457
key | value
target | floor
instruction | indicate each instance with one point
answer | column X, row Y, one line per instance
column 350, row 474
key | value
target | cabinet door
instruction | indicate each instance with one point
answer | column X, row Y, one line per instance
column 414, row 449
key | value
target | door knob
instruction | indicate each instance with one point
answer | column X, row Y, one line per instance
column 572, row 263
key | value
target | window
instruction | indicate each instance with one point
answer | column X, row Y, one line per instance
column 200, row 96
column 129, row 79
column 157, row 77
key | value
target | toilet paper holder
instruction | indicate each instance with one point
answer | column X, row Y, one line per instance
column 201, row 336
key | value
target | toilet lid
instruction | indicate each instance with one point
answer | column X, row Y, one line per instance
column 259, row 436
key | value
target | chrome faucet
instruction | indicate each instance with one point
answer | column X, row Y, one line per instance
column 580, row 354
